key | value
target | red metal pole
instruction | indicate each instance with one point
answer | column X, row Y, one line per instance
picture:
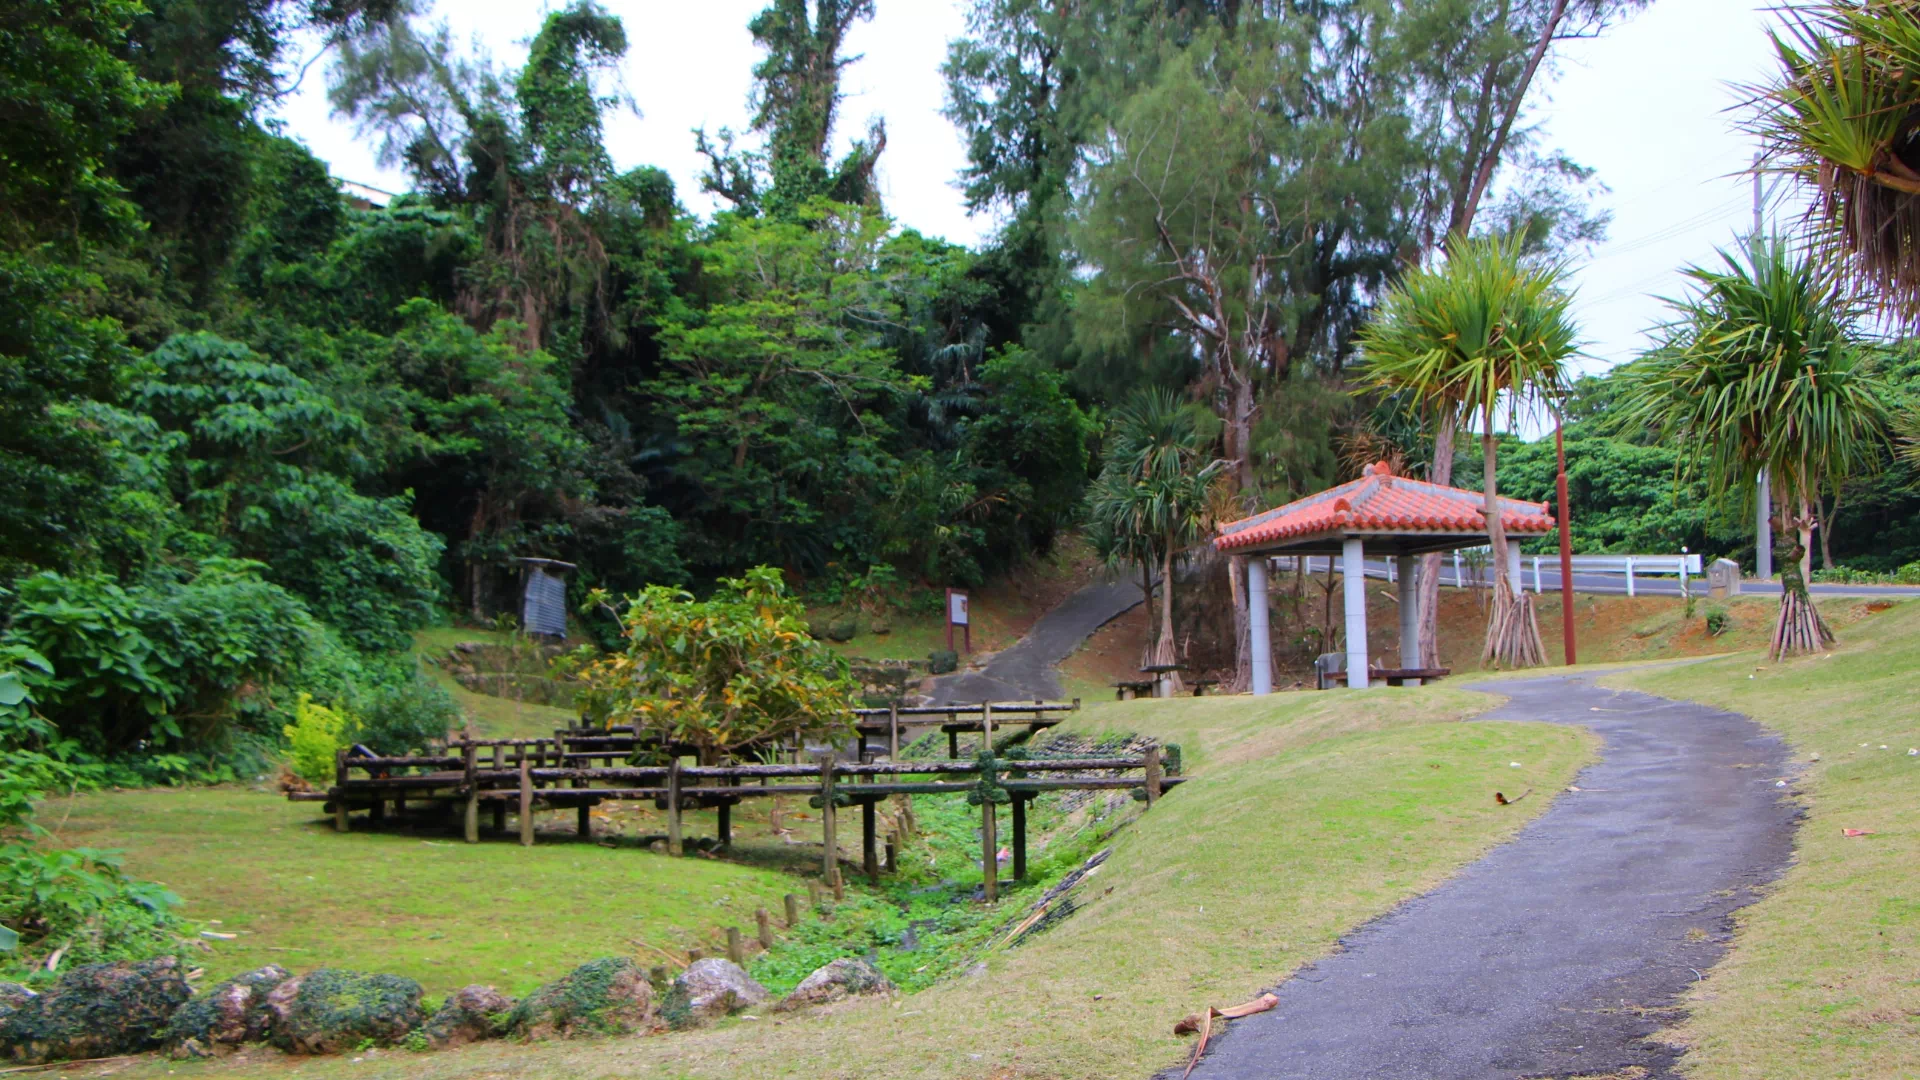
column 1566, row 546
column 949, row 617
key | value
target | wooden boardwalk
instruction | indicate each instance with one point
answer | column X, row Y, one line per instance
column 581, row 767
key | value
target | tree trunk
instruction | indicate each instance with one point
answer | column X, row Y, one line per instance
column 1806, row 540
column 1800, row 629
column 1827, row 512
column 1513, row 634
column 1440, row 473
column 1163, row 651
column 1153, row 618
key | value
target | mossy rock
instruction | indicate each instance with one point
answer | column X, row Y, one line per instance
column 942, row 661
column 838, row 980
column 608, row 996
column 708, row 990
column 331, row 1011
column 842, row 630
column 473, row 1013
column 97, row 1010
column 228, row 1014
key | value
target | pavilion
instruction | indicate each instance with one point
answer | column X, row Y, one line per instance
column 1379, row 514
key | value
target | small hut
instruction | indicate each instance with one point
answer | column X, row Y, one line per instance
column 1379, row 515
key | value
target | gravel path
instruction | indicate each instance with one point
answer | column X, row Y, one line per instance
column 1560, row 953
column 1024, row 671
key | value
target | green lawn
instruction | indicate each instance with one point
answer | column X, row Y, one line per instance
column 423, row 905
column 1824, row 978
column 1310, row 814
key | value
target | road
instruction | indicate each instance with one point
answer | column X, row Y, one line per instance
column 1564, row 952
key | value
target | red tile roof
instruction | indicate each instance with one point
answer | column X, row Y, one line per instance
column 1380, row 502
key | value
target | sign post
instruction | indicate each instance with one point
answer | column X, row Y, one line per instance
column 957, row 616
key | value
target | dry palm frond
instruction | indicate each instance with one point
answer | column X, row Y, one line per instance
column 1842, row 115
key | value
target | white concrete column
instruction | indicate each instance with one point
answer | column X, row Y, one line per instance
column 1409, row 613
column 1353, row 567
column 1260, row 640
column 1514, row 580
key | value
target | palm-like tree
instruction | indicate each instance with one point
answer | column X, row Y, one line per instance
column 1151, row 498
column 1761, row 370
column 1484, row 332
column 1841, row 115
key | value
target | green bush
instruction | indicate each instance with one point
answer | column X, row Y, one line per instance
column 942, row 661
column 313, row 738
column 1716, row 621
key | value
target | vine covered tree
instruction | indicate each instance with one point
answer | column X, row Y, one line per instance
column 1761, row 369
column 1485, row 333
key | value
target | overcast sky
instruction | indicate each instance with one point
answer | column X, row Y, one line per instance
column 1647, row 106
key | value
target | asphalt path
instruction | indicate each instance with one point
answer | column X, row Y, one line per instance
column 1025, row 670
column 1564, row 951
column 1643, row 584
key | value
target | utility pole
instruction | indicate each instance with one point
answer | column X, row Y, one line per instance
column 1566, row 547
column 1763, row 522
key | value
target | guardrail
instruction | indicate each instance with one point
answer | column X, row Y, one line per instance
column 1467, row 568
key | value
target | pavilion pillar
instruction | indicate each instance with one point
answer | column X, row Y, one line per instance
column 1409, row 615
column 1259, row 635
column 1353, row 567
column 1513, row 567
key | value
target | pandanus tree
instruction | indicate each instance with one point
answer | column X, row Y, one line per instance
column 1484, row 334
column 1761, row 370
column 1841, row 115
column 1152, row 496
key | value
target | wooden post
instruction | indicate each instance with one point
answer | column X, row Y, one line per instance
column 736, row 951
column 869, row 855
column 831, row 869
column 793, row 910
column 526, row 802
column 986, row 725
column 953, row 738
column 990, row 848
column 839, row 888
column 584, row 826
column 724, row 824
column 764, row 924
column 1152, row 756
column 893, row 731
column 1019, row 837
column 814, row 892
column 467, row 761
column 340, row 791
column 893, row 855
column 673, row 806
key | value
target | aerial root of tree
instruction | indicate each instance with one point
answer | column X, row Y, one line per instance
column 1800, row 628
column 1513, row 633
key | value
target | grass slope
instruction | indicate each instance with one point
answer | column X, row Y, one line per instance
column 429, row 907
column 1824, row 979
column 493, row 716
column 1312, row 813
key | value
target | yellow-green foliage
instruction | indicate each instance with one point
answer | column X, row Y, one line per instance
column 314, row 735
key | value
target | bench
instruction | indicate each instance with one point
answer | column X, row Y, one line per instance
column 1392, row 676
column 1127, row 691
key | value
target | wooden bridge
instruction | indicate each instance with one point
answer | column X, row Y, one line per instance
column 581, row 767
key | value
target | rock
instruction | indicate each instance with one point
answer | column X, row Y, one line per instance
column 330, row 1011
column 12, row 997
column 227, row 1015
column 710, row 989
column 977, row 971
column 843, row 978
column 473, row 1013
column 97, row 1010
column 609, row 996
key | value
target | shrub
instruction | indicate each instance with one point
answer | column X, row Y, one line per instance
column 313, row 738
column 1716, row 621
column 942, row 661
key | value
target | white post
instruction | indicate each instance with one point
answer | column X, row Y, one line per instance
column 1353, row 561
column 1537, row 590
column 1629, row 575
column 1409, row 613
column 1259, row 643
column 1458, row 581
column 1392, row 564
column 1683, row 572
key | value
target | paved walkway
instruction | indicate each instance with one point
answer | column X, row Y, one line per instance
column 1562, row 952
column 1024, row 671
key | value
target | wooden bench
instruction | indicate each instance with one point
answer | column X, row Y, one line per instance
column 1394, row 676
column 1127, row 691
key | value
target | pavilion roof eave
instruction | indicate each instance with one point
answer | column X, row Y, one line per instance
column 1375, row 541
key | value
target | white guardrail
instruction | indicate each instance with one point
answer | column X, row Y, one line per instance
column 1468, row 568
